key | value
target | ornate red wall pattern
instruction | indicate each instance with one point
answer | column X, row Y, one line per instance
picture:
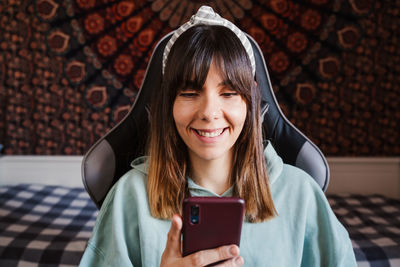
column 69, row 70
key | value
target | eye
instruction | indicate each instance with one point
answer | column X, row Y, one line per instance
column 228, row 91
column 230, row 94
column 189, row 95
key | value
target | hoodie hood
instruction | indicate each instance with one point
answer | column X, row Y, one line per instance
column 274, row 163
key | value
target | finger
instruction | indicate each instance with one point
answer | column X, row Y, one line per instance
column 174, row 236
column 206, row 257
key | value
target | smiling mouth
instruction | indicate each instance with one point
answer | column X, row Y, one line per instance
column 210, row 134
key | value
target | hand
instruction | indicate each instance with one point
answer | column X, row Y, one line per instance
column 172, row 255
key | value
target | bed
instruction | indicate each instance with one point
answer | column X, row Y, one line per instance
column 43, row 225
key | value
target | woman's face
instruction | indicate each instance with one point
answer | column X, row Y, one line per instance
column 211, row 119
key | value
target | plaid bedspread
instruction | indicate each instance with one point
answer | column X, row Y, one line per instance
column 44, row 225
column 373, row 223
column 50, row 225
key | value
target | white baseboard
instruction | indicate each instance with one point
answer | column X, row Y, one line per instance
column 52, row 170
column 348, row 175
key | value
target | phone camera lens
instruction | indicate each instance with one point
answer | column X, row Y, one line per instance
column 195, row 210
column 194, row 214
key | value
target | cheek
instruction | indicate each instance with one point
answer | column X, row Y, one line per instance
column 180, row 114
column 176, row 112
column 238, row 115
column 177, row 118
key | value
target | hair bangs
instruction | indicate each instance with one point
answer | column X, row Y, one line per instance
column 190, row 67
column 195, row 74
column 233, row 61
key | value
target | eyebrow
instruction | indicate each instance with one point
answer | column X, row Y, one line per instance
column 190, row 85
column 225, row 83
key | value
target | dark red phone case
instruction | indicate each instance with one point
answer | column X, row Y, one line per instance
column 220, row 223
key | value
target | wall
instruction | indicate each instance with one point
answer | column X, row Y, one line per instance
column 69, row 70
column 365, row 175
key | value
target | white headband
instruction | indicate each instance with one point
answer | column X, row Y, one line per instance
column 206, row 15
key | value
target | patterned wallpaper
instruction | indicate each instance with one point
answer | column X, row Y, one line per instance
column 70, row 69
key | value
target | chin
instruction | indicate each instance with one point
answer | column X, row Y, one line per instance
column 211, row 155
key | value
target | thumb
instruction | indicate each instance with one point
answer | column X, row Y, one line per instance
column 173, row 247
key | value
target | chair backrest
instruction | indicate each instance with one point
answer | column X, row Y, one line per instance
column 110, row 157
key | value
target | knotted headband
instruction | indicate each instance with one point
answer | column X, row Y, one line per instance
column 206, row 15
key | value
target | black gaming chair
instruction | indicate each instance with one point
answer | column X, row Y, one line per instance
column 110, row 157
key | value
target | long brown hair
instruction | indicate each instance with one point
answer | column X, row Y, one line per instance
column 189, row 62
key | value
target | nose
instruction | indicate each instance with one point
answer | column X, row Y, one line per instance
column 209, row 108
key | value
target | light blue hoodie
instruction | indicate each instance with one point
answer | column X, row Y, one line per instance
column 305, row 233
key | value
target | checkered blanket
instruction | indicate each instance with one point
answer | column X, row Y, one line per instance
column 373, row 223
column 44, row 225
column 50, row 225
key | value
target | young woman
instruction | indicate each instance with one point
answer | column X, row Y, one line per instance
column 206, row 140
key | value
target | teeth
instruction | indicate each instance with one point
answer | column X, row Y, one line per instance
column 210, row 134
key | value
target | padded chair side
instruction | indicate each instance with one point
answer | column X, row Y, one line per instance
column 98, row 168
column 311, row 160
column 129, row 139
column 110, row 157
column 292, row 146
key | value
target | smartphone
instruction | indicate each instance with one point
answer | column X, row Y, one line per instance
column 211, row 222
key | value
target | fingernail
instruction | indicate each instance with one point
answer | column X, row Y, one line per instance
column 239, row 260
column 234, row 250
